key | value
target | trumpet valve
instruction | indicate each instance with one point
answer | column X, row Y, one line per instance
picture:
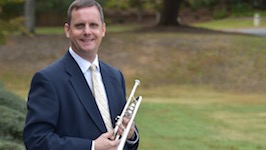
column 117, row 117
column 130, row 109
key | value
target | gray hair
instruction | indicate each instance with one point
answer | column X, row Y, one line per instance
column 77, row 4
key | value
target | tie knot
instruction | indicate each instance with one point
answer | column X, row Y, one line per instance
column 93, row 67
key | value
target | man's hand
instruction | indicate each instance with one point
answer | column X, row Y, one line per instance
column 104, row 142
column 123, row 126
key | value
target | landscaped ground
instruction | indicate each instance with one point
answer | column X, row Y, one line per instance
column 172, row 56
column 201, row 89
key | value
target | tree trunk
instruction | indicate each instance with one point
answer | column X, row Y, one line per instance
column 223, row 4
column 169, row 13
column 29, row 10
column 140, row 11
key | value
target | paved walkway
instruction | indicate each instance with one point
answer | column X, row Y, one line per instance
column 254, row 31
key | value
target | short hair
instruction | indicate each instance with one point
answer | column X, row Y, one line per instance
column 77, row 4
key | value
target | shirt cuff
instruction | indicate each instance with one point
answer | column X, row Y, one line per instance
column 134, row 138
column 92, row 145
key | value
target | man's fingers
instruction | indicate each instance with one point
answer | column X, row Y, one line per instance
column 108, row 134
column 122, row 127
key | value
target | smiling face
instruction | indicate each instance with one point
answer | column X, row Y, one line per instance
column 85, row 31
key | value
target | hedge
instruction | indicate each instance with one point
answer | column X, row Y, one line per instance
column 12, row 119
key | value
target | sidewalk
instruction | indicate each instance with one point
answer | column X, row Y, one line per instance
column 254, row 31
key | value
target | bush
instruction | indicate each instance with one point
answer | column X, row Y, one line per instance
column 10, row 22
column 12, row 101
column 6, row 145
column 241, row 9
column 11, row 124
column 13, row 111
column 11, row 26
column 2, row 38
column 220, row 14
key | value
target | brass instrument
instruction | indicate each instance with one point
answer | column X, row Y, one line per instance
column 130, row 110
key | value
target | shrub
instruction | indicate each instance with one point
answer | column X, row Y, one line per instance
column 13, row 110
column 220, row 14
column 11, row 26
column 6, row 145
column 10, row 22
column 12, row 101
column 12, row 122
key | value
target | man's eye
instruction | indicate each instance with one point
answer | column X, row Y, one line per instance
column 94, row 25
column 79, row 26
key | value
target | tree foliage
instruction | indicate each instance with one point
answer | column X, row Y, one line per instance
column 126, row 4
column 220, row 8
column 10, row 24
column 3, row 2
column 225, row 8
column 52, row 5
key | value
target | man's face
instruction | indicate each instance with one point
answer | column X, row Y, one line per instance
column 85, row 31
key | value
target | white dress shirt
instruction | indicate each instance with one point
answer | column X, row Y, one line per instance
column 85, row 65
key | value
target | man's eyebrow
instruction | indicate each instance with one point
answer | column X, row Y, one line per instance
column 78, row 24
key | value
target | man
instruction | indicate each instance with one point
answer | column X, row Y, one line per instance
column 63, row 111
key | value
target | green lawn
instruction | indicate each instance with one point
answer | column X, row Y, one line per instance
column 203, row 122
column 50, row 30
column 60, row 30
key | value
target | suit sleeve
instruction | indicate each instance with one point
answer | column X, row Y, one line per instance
column 41, row 121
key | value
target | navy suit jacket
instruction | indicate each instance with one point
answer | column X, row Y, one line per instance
column 62, row 113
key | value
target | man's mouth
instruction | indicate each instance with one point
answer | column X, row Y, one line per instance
column 87, row 40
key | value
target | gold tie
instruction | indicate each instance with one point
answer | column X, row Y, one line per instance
column 101, row 100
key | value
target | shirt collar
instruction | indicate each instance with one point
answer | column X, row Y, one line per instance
column 83, row 63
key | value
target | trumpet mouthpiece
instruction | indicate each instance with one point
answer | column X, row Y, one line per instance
column 137, row 81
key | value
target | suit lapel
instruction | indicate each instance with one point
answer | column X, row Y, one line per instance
column 83, row 91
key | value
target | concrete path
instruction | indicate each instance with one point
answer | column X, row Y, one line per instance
column 253, row 31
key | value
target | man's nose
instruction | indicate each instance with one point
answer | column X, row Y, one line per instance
column 87, row 29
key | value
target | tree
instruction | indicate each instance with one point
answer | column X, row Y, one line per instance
column 29, row 10
column 169, row 13
column 139, row 5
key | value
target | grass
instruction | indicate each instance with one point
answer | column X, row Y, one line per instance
column 121, row 28
column 50, row 30
column 227, row 62
column 204, row 120
column 200, row 91
column 60, row 30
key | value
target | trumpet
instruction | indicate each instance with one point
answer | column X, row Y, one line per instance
column 130, row 110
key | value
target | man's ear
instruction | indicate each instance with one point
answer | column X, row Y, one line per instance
column 67, row 29
column 104, row 29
